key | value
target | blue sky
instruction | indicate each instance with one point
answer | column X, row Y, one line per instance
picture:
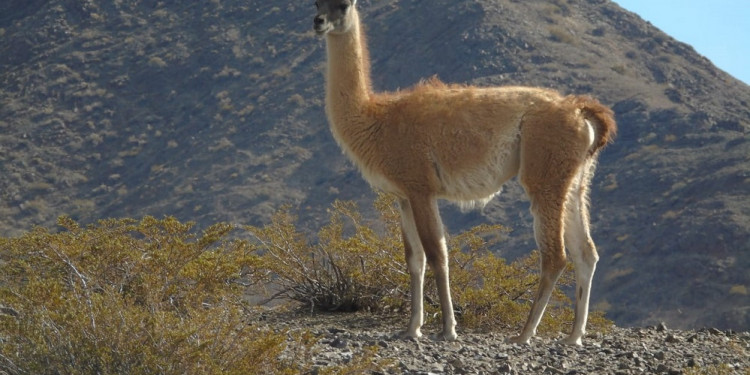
column 717, row 29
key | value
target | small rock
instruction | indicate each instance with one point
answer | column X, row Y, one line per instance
column 457, row 363
column 339, row 343
column 659, row 355
column 408, row 366
column 437, row 367
column 505, row 368
column 335, row 330
column 672, row 339
column 347, row 356
column 452, row 346
column 383, row 344
column 662, row 327
column 624, row 354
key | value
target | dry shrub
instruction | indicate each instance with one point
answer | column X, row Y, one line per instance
column 562, row 35
column 129, row 297
column 153, row 297
column 353, row 265
column 715, row 369
column 360, row 265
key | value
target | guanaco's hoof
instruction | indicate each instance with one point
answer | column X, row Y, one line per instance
column 411, row 335
column 443, row 336
column 518, row 340
column 573, row 341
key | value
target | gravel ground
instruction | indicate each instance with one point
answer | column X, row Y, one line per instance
column 343, row 338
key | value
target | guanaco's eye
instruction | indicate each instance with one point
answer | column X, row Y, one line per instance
column 343, row 7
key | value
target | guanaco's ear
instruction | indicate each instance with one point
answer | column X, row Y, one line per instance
column 354, row 2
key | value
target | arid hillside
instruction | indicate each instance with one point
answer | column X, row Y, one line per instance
column 213, row 111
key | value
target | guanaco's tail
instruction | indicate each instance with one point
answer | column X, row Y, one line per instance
column 601, row 116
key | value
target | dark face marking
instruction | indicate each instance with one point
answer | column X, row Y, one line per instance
column 332, row 16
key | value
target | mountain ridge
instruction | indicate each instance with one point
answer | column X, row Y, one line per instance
column 214, row 112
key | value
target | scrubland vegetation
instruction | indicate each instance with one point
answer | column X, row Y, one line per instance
column 157, row 296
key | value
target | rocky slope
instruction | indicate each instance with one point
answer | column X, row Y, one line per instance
column 343, row 339
column 213, row 111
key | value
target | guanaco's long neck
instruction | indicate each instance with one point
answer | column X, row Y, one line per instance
column 348, row 86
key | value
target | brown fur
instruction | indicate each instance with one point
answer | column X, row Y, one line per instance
column 462, row 143
column 602, row 116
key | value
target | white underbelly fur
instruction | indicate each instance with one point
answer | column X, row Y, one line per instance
column 474, row 188
column 469, row 188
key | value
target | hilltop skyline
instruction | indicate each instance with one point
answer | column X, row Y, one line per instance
column 724, row 41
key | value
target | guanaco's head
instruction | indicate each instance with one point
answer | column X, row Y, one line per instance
column 334, row 16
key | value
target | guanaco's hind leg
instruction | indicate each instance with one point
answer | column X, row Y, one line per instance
column 546, row 177
column 581, row 248
column 429, row 227
column 548, row 233
column 415, row 263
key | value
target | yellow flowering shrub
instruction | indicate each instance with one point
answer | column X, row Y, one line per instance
column 127, row 297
